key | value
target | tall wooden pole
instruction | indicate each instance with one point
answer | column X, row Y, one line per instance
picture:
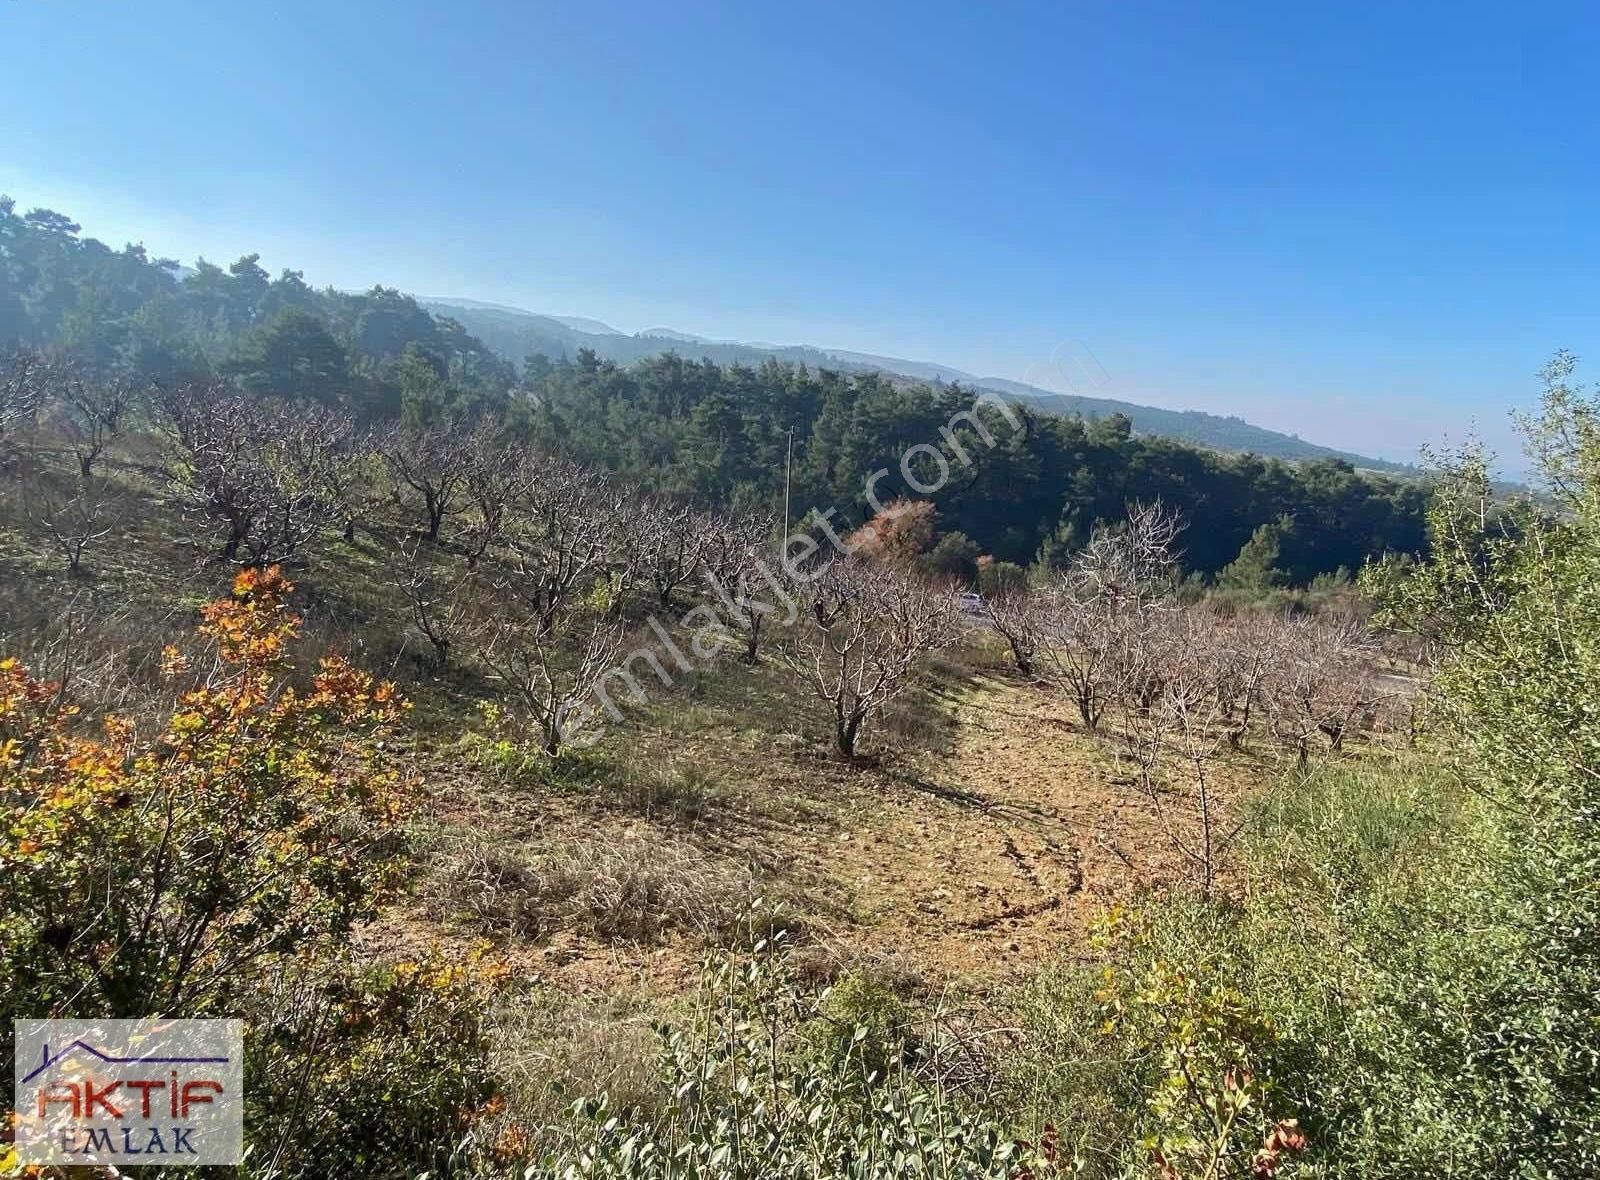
column 788, row 463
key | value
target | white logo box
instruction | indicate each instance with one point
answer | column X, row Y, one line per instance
column 129, row 1092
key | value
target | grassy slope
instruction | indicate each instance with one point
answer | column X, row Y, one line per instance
column 981, row 834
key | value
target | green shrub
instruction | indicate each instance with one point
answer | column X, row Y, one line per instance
column 862, row 1018
column 1384, row 981
column 751, row 1095
column 1157, row 1057
column 371, row 1071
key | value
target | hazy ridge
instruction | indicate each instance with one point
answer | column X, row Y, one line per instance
column 516, row 334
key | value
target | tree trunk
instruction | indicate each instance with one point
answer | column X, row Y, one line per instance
column 846, row 735
column 435, row 516
column 1086, row 709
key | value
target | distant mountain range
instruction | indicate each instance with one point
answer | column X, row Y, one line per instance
column 517, row 334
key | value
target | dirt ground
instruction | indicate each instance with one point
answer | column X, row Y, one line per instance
column 968, row 862
column 995, row 855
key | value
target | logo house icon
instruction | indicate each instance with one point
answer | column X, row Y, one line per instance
column 129, row 1092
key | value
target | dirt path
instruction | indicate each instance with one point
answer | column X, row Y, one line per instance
column 990, row 859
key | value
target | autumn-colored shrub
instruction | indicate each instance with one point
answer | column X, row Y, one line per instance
column 901, row 530
column 146, row 874
column 216, row 866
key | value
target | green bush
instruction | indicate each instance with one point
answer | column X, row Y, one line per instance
column 1412, row 971
column 1379, row 983
column 371, row 1071
column 1158, row 1056
column 765, row 1082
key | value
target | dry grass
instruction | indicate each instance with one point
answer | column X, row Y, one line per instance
column 675, row 787
column 552, row 1045
column 826, row 963
column 636, row 888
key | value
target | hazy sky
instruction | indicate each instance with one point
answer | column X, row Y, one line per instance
column 1367, row 224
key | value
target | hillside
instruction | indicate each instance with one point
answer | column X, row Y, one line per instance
column 442, row 740
column 711, row 432
column 1020, row 890
column 516, row 335
column 980, row 827
column 495, row 780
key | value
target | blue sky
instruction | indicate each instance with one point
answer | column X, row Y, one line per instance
column 1368, row 224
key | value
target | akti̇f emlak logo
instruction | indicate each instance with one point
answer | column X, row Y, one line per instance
column 127, row 1092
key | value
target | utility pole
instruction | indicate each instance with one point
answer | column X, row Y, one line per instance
column 788, row 463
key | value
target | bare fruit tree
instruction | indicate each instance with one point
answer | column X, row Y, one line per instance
column 1200, row 683
column 22, row 378
column 1247, row 651
column 1079, row 637
column 1106, row 614
column 560, row 542
column 745, row 575
column 1321, row 684
column 499, row 478
column 673, row 539
column 1146, row 643
column 1018, row 615
column 1175, row 738
column 348, row 475
column 74, row 517
column 866, row 628
column 90, row 410
column 1131, row 564
column 438, row 600
column 258, row 469
column 627, row 550
column 428, row 469
column 540, row 627
column 549, row 670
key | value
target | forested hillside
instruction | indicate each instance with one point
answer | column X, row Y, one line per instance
column 722, row 433
column 516, row 334
column 125, row 309
column 701, row 431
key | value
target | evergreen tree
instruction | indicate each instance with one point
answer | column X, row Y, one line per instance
column 1256, row 567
